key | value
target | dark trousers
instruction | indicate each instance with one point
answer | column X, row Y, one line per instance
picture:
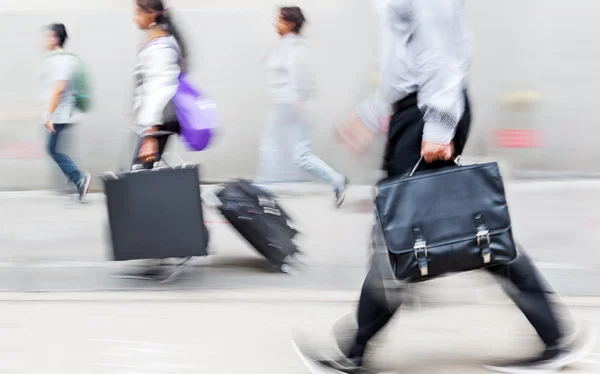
column 528, row 288
column 64, row 162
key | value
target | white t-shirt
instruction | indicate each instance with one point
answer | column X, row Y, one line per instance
column 59, row 67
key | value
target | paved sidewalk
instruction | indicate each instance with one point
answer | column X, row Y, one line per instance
column 234, row 316
column 47, row 243
column 195, row 336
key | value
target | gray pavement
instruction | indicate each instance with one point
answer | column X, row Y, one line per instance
column 229, row 314
column 194, row 336
column 48, row 243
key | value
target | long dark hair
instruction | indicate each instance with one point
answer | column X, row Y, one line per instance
column 164, row 19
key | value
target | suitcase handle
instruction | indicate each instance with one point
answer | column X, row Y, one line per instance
column 250, row 189
column 157, row 133
column 110, row 175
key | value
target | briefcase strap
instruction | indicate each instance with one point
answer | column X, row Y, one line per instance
column 484, row 242
column 456, row 160
column 421, row 251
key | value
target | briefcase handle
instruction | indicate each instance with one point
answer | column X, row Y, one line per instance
column 456, row 160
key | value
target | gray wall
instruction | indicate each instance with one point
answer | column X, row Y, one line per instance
column 543, row 46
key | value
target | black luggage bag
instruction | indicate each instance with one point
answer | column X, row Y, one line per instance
column 156, row 214
column 255, row 214
column 445, row 221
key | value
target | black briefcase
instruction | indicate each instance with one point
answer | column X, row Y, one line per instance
column 156, row 214
column 445, row 221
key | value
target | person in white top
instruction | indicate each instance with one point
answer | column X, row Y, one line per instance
column 159, row 64
column 58, row 104
column 158, row 67
column 290, row 82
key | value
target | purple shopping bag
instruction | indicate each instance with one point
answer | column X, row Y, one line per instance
column 197, row 116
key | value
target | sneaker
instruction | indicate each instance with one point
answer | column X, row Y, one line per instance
column 340, row 193
column 343, row 364
column 554, row 358
column 84, row 186
column 323, row 364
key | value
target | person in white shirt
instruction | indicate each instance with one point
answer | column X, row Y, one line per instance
column 290, row 82
column 158, row 67
column 60, row 112
column 427, row 52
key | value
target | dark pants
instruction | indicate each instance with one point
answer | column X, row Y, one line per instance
column 527, row 291
column 172, row 127
column 64, row 162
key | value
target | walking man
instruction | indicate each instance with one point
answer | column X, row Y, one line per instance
column 59, row 105
column 424, row 88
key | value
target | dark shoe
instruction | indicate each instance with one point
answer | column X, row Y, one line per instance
column 340, row 193
column 343, row 364
column 548, row 360
column 554, row 358
column 318, row 362
column 84, row 186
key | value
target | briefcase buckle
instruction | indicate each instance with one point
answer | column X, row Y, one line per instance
column 421, row 256
column 483, row 235
column 420, row 245
column 484, row 241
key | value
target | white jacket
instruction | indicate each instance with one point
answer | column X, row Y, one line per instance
column 289, row 72
column 157, row 73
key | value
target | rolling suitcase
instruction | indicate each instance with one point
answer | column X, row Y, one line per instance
column 255, row 214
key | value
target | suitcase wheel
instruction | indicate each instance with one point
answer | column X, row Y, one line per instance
column 299, row 257
column 289, row 270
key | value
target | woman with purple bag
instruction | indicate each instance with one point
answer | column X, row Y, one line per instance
column 164, row 102
column 157, row 72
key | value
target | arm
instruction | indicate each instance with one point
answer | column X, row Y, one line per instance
column 161, row 80
column 61, row 86
column 441, row 83
column 441, row 100
column 300, row 74
column 398, row 28
column 63, row 75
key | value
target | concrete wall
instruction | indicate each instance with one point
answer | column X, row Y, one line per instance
column 521, row 45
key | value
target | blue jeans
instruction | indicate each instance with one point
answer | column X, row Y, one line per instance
column 64, row 162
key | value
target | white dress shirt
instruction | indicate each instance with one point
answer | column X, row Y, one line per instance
column 426, row 50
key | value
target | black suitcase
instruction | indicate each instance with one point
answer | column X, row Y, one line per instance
column 156, row 214
column 255, row 214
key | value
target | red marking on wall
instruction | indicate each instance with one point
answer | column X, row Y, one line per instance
column 593, row 222
column 515, row 138
column 21, row 151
